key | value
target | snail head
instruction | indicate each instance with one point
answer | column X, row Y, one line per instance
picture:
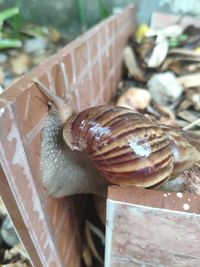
column 59, row 106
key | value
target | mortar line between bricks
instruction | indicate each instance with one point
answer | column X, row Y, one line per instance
column 104, row 85
column 85, row 72
column 74, row 70
column 90, row 67
column 100, row 66
column 51, row 81
column 34, row 188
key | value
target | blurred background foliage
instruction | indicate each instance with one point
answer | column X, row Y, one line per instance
column 74, row 16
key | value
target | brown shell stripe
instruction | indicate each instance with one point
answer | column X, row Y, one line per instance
column 110, row 113
column 128, row 155
column 149, row 140
column 83, row 121
column 144, row 177
column 96, row 115
column 137, row 164
column 117, row 118
column 154, row 143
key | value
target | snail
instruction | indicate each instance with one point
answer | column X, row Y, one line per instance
column 102, row 145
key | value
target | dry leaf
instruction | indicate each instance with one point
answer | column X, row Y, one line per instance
column 89, row 229
column 191, row 80
column 135, row 98
column 159, row 52
column 16, row 250
column 87, row 256
column 132, row 64
column 192, row 124
column 193, row 96
column 187, row 116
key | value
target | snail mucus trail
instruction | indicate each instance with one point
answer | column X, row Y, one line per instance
column 84, row 152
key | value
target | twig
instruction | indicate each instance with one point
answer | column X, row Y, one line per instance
column 191, row 125
column 90, row 241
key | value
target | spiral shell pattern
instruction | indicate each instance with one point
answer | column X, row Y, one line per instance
column 126, row 147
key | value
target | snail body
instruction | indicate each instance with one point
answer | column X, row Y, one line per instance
column 108, row 145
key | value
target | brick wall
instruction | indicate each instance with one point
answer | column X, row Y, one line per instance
column 49, row 227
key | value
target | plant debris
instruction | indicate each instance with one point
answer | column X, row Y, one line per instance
column 168, row 63
column 12, row 252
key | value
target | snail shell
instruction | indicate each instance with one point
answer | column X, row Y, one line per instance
column 126, row 147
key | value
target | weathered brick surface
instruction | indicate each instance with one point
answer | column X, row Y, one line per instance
column 49, row 227
column 152, row 228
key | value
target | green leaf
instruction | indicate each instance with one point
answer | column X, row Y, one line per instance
column 10, row 43
column 8, row 13
column 104, row 13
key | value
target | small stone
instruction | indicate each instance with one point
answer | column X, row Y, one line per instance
column 20, row 64
column 8, row 232
column 135, row 98
column 164, row 88
column 54, row 35
column 35, row 45
column 3, row 58
column 9, row 79
column 195, row 99
column 38, row 58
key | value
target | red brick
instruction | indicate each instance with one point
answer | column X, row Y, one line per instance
column 22, row 230
column 96, row 81
column 81, row 58
column 103, row 37
column 69, row 68
column 57, row 211
column 111, row 26
column 29, row 109
column 72, row 259
column 107, row 93
column 93, row 46
column 113, row 82
column 33, row 151
column 106, row 66
column 75, row 95
column 118, row 72
column 20, row 179
column 67, row 233
column 85, row 93
column 112, row 56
